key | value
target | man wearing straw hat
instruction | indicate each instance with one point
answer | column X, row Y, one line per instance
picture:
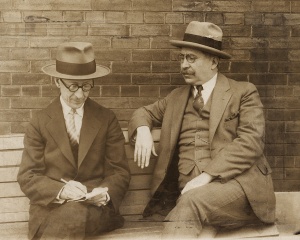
column 211, row 145
column 73, row 167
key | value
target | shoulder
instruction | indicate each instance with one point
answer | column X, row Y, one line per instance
column 99, row 110
column 241, row 86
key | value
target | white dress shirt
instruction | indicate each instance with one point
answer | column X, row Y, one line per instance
column 208, row 87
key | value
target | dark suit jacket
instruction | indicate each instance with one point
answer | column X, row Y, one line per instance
column 47, row 157
column 236, row 131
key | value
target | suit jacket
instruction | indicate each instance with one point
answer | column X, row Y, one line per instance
column 236, row 131
column 47, row 157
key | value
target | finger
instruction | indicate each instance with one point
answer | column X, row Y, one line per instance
column 147, row 160
column 153, row 151
column 139, row 156
column 135, row 157
column 144, row 157
column 78, row 185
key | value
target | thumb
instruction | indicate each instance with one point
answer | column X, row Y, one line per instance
column 153, row 151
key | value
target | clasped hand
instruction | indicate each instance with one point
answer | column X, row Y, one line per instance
column 74, row 190
column 201, row 180
column 144, row 146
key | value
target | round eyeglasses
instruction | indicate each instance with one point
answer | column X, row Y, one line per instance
column 74, row 87
column 189, row 57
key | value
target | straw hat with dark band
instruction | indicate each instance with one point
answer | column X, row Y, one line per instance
column 204, row 36
column 75, row 60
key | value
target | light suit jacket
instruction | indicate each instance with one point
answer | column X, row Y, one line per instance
column 236, row 131
column 47, row 157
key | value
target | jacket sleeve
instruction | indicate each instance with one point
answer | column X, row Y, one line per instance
column 39, row 188
column 239, row 154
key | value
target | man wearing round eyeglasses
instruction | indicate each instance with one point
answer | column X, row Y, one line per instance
column 211, row 169
column 73, row 168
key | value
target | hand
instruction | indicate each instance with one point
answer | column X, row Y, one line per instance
column 144, row 146
column 73, row 190
column 99, row 197
column 201, row 180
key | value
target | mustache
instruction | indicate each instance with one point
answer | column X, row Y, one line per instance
column 187, row 72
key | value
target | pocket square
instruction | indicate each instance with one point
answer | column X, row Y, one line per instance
column 232, row 116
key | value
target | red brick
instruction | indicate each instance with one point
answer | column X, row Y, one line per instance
column 18, row 127
column 30, row 102
column 267, row 31
column 293, row 126
column 52, row 5
column 174, row 18
column 271, row 6
column 114, row 79
column 193, row 16
column 5, row 78
column 6, row 4
column 266, row 91
column 46, row 42
column 292, row 137
column 286, row 185
column 130, row 42
column 30, row 79
column 108, row 29
column 5, row 128
column 149, row 91
column 234, row 18
column 30, row 91
column 295, row 6
column 154, row 17
column 285, row 67
column 249, row 67
column 12, row 16
column 161, row 43
column 248, row 43
column 14, row 42
column 112, row 5
column 284, row 91
column 283, row 115
column 187, row 5
column 288, row 103
column 135, row 17
column 297, row 161
column 152, row 79
column 275, row 19
column 178, row 31
column 150, row 30
column 294, row 79
column 4, row 103
column 50, row 91
column 95, row 91
column 165, row 67
column 70, row 29
column 294, row 55
column 115, row 17
column 236, row 31
column 12, row 115
column 216, row 18
column 36, row 66
column 131, row 67
column 253, row 18
column 14, row 66
column 224, row 66
column 269, row 54
column 268, row 79
column 129, row 91
column 30, row 54
column 151, row 55
column 177, row 79
column 95, row 16
column 108, row 91
column 113, row 55
column 10, row 91
column 277, row 173
column 292, row 173
column 274, row 150
column 152, row 5
column 275, row 132
column 73, row 16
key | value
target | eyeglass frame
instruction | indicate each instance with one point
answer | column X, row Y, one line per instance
column 188, row 56
column 68, row 87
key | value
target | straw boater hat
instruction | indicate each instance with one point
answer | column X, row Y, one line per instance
column 75, row 60
column 203, row 36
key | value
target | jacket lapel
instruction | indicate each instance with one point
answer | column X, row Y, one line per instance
column 220, row 99
column 57, row 130
column 89, row 130
column 178, row 109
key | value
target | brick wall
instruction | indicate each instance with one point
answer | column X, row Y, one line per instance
column 132, row 38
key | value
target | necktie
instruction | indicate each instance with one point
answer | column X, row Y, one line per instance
column 71, row 128
column 198, row 101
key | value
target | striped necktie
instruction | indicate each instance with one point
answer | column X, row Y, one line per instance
column 71, row 128
column 198, row 101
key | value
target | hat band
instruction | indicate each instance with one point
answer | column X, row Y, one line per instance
column 76, row 69
column 203, row 40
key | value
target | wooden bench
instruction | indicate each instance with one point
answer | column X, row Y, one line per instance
column 14, row 205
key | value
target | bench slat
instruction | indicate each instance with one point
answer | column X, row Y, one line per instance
column 11, row 141
column 8, row 174
column 10, row 158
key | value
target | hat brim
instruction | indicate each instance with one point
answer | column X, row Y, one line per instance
column 201, row 47
column 100, row 72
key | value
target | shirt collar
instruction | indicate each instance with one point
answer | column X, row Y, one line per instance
column 209, row 85
column 66, row 109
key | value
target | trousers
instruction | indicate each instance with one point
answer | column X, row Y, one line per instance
column 75, row 220
column 221, row 205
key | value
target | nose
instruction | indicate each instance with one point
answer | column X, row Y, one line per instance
column 184, row 64
column 79, row 93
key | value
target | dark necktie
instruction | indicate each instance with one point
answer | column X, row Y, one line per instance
column 198, row 101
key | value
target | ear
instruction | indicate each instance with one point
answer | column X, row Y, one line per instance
column 56, row 80
column 215, row 62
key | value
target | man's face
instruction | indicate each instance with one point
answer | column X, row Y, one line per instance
column 196, row 66
column 73, row 99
